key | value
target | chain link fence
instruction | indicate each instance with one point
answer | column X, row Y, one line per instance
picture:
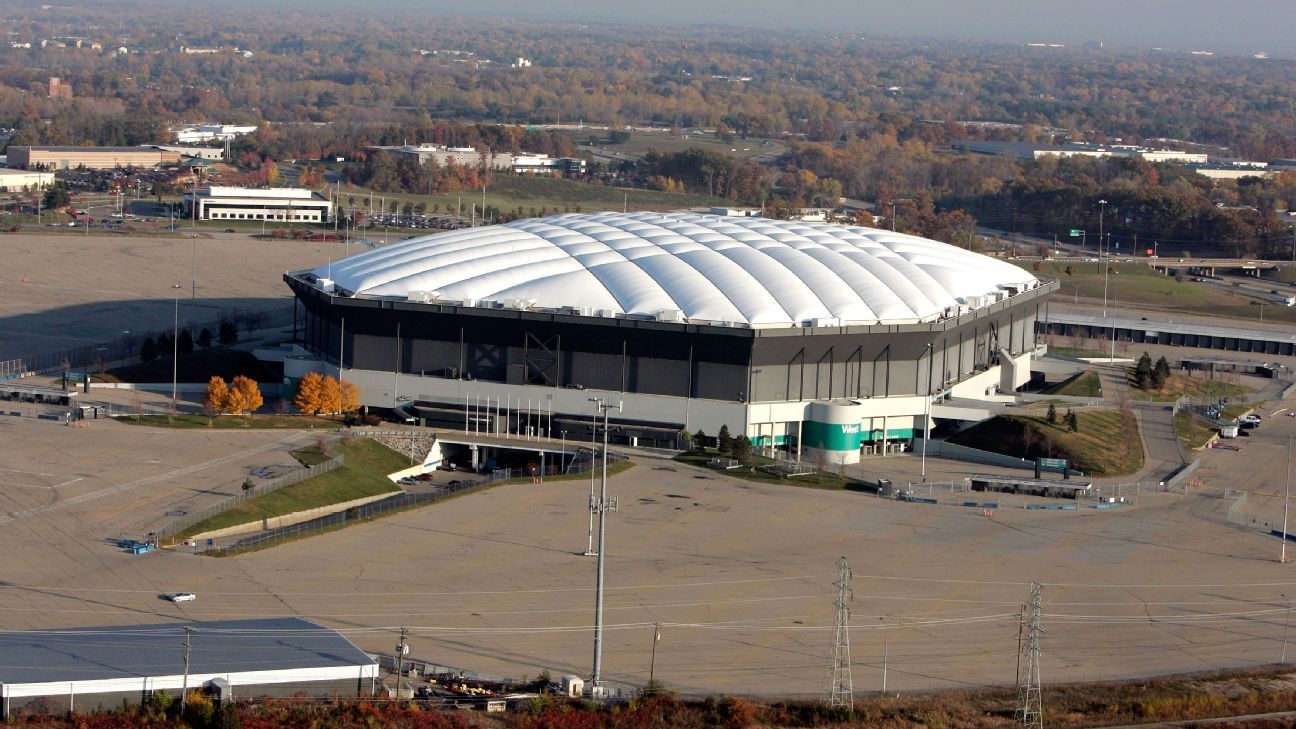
column 273, row 484
column 398, row 502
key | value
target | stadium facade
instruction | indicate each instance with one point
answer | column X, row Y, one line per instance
column 825, row 340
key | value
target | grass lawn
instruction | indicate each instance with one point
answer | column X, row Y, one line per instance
column 1103, row 445
column 1193, row 432
column 544, row 194
column 820, row 480
column 364, row 473
column 199, row 366
column 1085, row 384
column 1077, row 352
column 1136, row 284
column 310, row 456
column 227, row 422
column 1177, row 386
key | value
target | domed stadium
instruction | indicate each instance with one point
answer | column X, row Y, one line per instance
column 690, row 321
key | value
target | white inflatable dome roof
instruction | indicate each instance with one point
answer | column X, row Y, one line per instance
column 682, row 266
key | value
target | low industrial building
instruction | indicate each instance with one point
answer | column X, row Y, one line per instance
column 522, row 164
column 196, row 133
column 90, row 158
column 206, row 153
column 1128, row 330
column 1029, row 151
column 83, row 669
column 279, row 204
column 20, row 180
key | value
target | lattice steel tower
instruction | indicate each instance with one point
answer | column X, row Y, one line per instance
column 1031, row 713
column 840, row 690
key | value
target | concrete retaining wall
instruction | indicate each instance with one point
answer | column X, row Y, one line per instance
column 942, row 449
column 296, row 517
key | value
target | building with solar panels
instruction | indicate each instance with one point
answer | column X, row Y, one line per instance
column 82, row 669
column 812, row 337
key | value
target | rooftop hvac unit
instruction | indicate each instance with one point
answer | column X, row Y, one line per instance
column 826, row 322
column 325, row 284
column 422, row 296
column 487, row 304
column 520, row 304
column 576, row 310
column 670, row 315
column 606, row 313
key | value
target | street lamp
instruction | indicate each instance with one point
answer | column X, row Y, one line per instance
column 603, row 506
column 1102, row 210
column 927, row 410
column 175, row 346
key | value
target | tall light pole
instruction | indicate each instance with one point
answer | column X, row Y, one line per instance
column 1282, row 556
column 927, row 409
column 175, row 346
column 193, row 292
column 603, row 506
column 1102, row 210
column 589, row 549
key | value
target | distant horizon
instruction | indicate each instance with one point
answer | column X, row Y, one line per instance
column 1245, row 27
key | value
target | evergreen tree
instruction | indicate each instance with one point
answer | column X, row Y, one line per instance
column 1143, row 372
column 228, row 333
column 700, row 441
column 204, row 338
column 185, row 344
column 1072, row 422
column 742, row 449
column 1051, row 417
column 1160, row 373
column 724, row 442
column 148, row 350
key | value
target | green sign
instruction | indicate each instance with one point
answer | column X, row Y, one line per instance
column 1053, row 464
column 832, row 436
column 1076, row 233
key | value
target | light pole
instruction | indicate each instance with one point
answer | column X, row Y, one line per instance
column 1102, row 210
column 603, row 506
column 175, row 346
column 652, row 663
column 927, row 410
column 1286, row 626
column 589, row 549
column 193, row 294
column 1282, row 556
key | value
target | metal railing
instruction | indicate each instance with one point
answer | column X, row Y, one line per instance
column 288, row 479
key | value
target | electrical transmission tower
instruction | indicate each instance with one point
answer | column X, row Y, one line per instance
column 1030, row 715
column 840, row 690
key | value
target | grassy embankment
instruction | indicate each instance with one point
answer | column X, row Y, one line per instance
column 1085, row 384
column 1138, row 285
column 1194, row 388
column 1106, row 444
column 363, row 473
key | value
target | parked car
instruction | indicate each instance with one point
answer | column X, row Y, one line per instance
column 1251, row 420
column 184, row 597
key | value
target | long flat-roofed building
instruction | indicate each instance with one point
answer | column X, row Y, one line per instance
column 91, row 158
column 282, row 204
column 83, row 669
column 19, row 180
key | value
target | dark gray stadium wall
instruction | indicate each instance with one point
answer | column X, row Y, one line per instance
column 502, row 346
column 886, row 361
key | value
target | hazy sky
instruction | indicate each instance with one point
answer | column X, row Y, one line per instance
column 1235, row 26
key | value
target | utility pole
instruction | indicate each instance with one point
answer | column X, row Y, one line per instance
column 840, row 690
column 1030, row 715
column 652, row 664
column 184, row 690
column 1101, row 213
column 1282, row 556
column 401, row 650
column 603, row 507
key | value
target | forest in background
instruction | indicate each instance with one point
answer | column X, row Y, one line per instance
column 864, row 117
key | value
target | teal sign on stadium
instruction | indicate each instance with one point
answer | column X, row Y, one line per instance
column 833, row 436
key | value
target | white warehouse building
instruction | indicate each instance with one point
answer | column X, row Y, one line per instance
column 279, row 204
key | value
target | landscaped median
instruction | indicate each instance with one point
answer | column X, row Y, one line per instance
column 750, row 472
column 362, row 475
